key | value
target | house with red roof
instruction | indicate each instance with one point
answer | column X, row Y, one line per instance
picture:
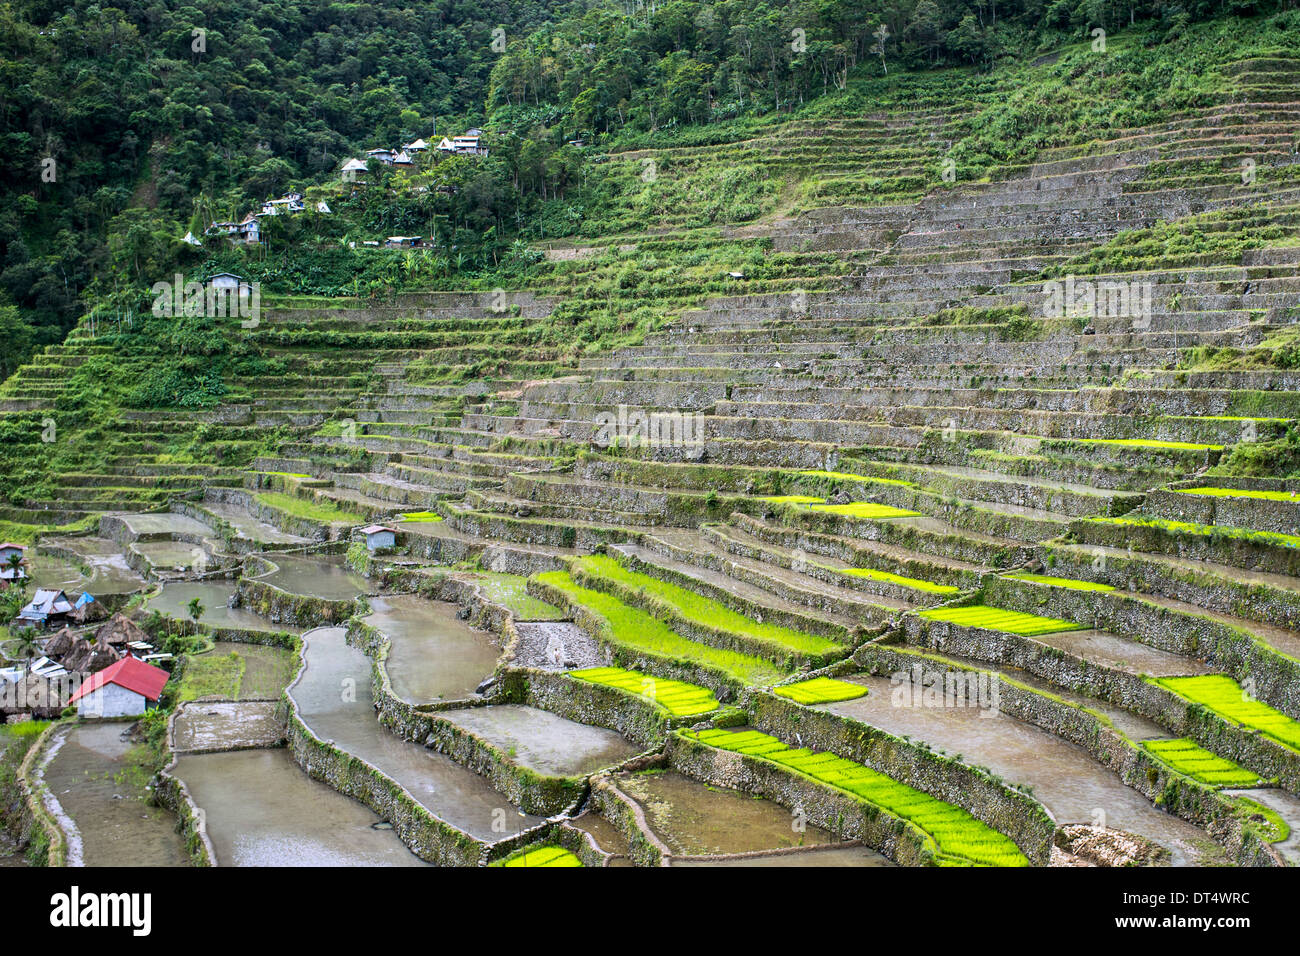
column 125, row 689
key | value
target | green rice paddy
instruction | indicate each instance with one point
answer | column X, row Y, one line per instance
column 421, row 517
column 1223, row 696
column 961, row 839
column 1186, row 527
column 544, row 856
column 929, row 587
column 821, row 690
column 997, row 619
column 701, row 610
column 1188, row 757
column 1151, row 443
column 1241, row 493
column 677, row 697
column 865, row 509
column 1070, row 583
column 635, row 630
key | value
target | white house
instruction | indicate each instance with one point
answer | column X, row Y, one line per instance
column 353, row 170
column 379, row 536
column 291, row 203
column 7, row 550
column 230, row 284
column 125, row 689
column 250, row 230
column 418, row 146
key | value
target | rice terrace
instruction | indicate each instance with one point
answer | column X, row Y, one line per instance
column 626, row 434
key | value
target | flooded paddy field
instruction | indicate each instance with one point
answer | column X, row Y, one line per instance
column 254, row 803
column 1064, row 777
column 832, row 856
column 165, row 522
column 694, row 819
column 334, row 700
column 102, row 568
column 315, row 575
column 96, row 792
column 544, row 742
column 434, row 654
column 225, row 725
column 250, row 527
column 171, row 555
column 175, row 597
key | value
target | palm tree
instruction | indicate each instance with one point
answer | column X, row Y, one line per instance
column 15, row 562
column 28, row 647
column 196, row 609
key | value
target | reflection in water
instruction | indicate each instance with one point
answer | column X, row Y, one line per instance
column 254, row 802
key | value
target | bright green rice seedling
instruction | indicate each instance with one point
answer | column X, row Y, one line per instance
column 677, row 697
column 421, row 516
column 1187, row 757
column 1273, row 538
column 544, row 856
column 865, row 509
column 821, row 690
column 1071, row 583
column 1151, row 443
column 1273, row 828
column 636, row 630
column 997, row 619
column 326, row 512
column 960, row 837
column 1224, row 696
column 849, row 476
column 929, row 587
column 1241, row 493
column 701, row 610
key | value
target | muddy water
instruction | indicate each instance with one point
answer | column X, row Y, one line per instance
column 250, row 527
column 97, row 796
column 694, row 820
column 833, row 856
column 109, row 572
column 254, row 799
column 1288, row 807
column 543, row 742
column 1130, row 656
column 1065, row 779
column 334, row 700
column 170, row 555
column 316, row 575
column 213, row 595
column 606, row 835
column 166, row 523
column 1133, row 726
column 434, row 654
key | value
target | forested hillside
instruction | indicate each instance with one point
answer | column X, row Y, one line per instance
column 125, row 125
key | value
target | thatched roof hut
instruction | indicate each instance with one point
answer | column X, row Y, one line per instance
column 120, row 630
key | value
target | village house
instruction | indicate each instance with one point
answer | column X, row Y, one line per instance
column 250, row 229
column 380, row 537
column 353, row 170
column 49, row 608
column 126, row 689
column 468, row 144
column 228, row 282
column 8, row 571
column 418, row 146
column 287, row 205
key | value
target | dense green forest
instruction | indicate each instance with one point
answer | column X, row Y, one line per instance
column 126, row 124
